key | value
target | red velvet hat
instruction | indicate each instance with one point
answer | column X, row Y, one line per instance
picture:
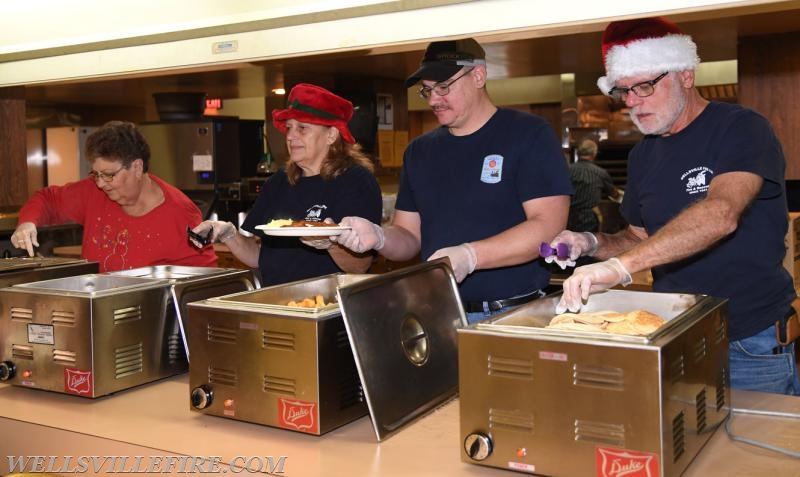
column 642, row 46
column 309, row 103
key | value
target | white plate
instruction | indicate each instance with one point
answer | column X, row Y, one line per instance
column 302, row 231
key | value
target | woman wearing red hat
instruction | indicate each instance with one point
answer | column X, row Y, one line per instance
column 327, row 178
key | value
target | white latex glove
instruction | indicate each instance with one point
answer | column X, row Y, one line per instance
column 220, row 231
column 362, row 236
column 591, row 279
column 579, row 243
column 462, row 259
column 25, row 236
column 320, row 243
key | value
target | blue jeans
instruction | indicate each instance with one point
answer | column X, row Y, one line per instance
column 477, row 316
column 758, row 364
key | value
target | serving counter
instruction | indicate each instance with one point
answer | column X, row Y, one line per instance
column 155, row 420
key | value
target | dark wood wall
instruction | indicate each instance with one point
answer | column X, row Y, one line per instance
column 13, row 148
column 769, row 82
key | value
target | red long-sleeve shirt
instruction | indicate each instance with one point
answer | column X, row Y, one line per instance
column 116, row 240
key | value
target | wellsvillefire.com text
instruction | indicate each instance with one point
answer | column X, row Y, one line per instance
column 145, row 464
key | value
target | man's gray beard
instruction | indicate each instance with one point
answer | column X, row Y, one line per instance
column 676, row 105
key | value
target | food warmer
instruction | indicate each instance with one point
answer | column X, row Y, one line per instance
column 575, row 403
column 189, row 284
column 106, row 331
column 256, row 359
column 87, row 335
column 15, row 270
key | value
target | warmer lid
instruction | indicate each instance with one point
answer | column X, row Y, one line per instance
column 402, row 330
column 26, row 263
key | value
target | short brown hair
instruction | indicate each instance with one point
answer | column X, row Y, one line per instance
column 587, row 148
column 118, row 140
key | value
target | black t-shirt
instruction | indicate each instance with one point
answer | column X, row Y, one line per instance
column 468, row 188
column 284, row 259
column 666, row 174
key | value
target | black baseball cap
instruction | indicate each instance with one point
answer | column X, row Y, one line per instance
column 443, row 59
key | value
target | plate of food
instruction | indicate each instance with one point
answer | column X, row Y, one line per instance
column 301, row 228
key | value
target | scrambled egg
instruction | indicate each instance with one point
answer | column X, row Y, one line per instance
column 279, row 223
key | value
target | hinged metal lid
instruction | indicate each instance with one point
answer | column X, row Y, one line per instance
column 402, row 330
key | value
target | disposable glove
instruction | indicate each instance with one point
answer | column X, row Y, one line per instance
column 220, row 231
column 320, row 243
column 579, row 243
column 591, row 279
column 25, row 237
column 462, row 259
column 363, row 235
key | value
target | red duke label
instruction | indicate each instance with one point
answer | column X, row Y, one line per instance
column 612, row 462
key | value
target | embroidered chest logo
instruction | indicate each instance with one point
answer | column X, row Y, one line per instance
column 314, row 213
column 492, row 171
column 697, row 179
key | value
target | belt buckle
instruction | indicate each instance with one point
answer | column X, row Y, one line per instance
column 495, row 305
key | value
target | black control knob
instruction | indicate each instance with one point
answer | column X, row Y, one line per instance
column 201, row 397
column 7, row 370
column 478, row 446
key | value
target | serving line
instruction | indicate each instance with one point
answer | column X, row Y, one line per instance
column 155, row 419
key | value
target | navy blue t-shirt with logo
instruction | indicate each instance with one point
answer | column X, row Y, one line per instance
column 666, row 174
column 284, row 259
column 471, row 187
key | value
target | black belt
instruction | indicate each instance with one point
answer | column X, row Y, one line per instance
column 494, row 305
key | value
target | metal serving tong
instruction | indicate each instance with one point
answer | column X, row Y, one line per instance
column 199, row 238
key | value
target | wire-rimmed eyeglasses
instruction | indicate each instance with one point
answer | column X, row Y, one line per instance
column 441, row 89
column 642, row 90
column 105, row 176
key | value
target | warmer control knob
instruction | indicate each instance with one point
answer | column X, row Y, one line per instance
column 202, row 397
column 478, row 446
column 7, row 370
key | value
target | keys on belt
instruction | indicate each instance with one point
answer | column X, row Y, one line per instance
column 494, row 305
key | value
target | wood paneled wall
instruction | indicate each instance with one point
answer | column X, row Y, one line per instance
column 769, row 82
column 13, row 148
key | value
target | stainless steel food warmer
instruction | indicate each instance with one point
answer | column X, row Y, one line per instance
column 256, row 359
column 15, row 270
column 189, row 284
column 88, row 335
column 572, row 403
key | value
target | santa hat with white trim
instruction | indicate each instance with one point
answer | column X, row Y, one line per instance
column 645, row 45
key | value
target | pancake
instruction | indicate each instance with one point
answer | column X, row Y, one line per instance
column 636, row 323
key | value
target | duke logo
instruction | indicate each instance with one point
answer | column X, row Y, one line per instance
column 77, row 381
column 299, row 415
column 624, row 463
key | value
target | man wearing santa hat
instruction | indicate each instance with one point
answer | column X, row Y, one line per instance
column 705, row 202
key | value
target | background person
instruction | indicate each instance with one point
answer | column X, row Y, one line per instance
column 130, row 217
column 592, row 183
column 484, row 189
column 705, row 202
column 327, row 177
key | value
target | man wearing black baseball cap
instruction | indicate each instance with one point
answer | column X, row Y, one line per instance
column 443, row 59
column 484, row 190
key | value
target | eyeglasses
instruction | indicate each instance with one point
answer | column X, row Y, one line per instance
column 642, row 90
column 106, row 177
column 441, row 89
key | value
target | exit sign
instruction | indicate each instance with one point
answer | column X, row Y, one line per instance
column 213, row 103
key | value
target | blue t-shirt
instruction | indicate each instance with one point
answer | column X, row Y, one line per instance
column 666, row 174
column 284, row 259
column 468, row 188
